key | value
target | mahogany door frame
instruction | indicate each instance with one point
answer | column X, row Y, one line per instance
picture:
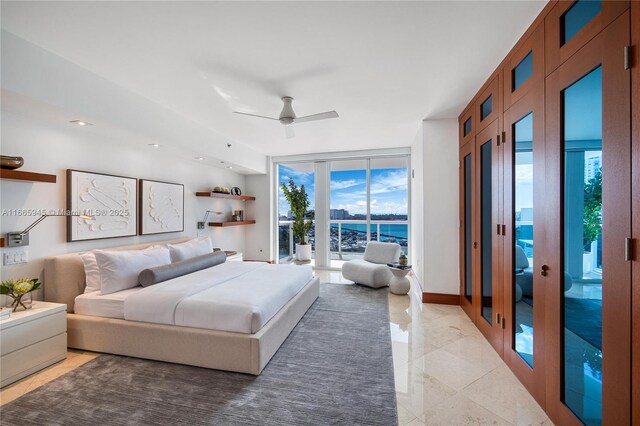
column 635, row 184
column 493, row 331
column 467, row 306
column 605, row 49
column 532, row 378
column 535, row 44
column 557, row 54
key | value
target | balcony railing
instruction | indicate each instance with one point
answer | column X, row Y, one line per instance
column 348, row 238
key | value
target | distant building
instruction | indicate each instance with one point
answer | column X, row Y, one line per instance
column 591, row 168
column 339, row 214
column 289, row 215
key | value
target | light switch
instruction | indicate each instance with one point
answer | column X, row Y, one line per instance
column 15, row 257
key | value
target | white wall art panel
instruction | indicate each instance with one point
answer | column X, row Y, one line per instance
column 111, row 200
column 161, row 207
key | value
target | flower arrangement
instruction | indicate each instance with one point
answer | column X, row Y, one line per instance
column 16, row 289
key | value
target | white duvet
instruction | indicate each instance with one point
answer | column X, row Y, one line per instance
column 234, row 296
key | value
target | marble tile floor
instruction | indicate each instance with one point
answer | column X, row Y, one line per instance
column 446, row 373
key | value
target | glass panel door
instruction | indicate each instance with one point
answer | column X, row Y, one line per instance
column 524, row 240
column 468, row 234
column 490, row 315
column 349, row 210
column 582, row 297
column 486, row 231
column 390, row 201
column 588, row 138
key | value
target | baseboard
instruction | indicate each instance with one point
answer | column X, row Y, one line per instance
column 441, row 298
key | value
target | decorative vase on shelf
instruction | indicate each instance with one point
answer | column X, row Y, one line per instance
column 403, row 261
column 20, row 291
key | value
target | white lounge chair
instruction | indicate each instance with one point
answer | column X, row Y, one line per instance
column 372, row 269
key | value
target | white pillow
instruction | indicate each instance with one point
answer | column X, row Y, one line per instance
column 119, row 269
column 91, row 271
column 192, row 248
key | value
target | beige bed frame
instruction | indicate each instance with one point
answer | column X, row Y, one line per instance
column 64, row 280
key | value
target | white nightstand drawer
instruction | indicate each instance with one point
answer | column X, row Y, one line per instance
column 30, row 332
column 23, row 362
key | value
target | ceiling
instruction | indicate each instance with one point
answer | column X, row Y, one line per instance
column 384, row 66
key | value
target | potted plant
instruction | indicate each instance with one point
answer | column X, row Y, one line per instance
column 16, row 289
column 299, row 201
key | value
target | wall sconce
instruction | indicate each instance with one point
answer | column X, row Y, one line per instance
column 18, row 239
column 202, row 224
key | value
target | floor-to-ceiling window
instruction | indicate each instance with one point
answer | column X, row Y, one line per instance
column 367, row 199
column 302, row 174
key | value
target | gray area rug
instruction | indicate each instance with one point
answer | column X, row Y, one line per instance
column 335, row 368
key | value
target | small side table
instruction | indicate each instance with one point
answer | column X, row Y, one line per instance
column 399, row 283
column 32, row 340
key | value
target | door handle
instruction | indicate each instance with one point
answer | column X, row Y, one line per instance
column 543, row 270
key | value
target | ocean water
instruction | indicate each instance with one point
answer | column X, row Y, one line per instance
column 386, row 230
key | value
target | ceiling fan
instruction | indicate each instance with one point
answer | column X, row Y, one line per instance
column 288, row 117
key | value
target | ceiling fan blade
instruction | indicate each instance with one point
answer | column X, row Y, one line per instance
column 314, row 117
column 255, row 115
column 289, row 132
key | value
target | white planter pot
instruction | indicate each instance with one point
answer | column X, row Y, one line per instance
column 303, row 252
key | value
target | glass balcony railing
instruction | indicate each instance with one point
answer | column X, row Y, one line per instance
column 348, row 238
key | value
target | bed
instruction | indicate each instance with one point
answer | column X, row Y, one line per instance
column 248, row 324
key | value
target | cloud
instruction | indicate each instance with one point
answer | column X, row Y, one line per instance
column 343, row 184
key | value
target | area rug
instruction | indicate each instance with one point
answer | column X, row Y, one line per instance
column 335, row 368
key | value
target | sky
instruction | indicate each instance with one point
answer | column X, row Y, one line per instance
column 349, row 190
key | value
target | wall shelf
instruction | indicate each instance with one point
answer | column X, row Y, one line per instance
column 26, row 176
column 225, row 224
column 226, row 196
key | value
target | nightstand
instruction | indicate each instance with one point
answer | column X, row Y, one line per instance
column 32, row 340
column 235, row 257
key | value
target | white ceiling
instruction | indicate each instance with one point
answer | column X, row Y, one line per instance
column 384, row 66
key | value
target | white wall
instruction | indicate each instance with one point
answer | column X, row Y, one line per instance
column 416, row 249
column 259, row 237
column 440, row 271
column 53, row 148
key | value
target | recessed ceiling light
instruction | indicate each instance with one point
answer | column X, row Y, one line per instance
column 199, row 158
column 155, row 145
column 80, row 123
column 229, row 167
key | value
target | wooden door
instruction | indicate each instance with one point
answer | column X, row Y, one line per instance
column 468, row 243
column 588, row 158
column 635, row 108
column 488, row 259
column 524, row 239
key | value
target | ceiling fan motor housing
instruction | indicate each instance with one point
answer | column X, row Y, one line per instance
column 287, row 115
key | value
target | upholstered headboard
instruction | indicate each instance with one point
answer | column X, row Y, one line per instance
column 64, row 277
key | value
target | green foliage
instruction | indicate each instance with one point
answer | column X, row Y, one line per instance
column 592, row 209
column 299, row 201
column 19, row 287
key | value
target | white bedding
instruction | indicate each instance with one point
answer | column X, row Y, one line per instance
column 234, row 296
column 108, row 305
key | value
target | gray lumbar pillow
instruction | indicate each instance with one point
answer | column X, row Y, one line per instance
column 162, row 273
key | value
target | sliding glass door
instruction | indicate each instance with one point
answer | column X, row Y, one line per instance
column 353, row 201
